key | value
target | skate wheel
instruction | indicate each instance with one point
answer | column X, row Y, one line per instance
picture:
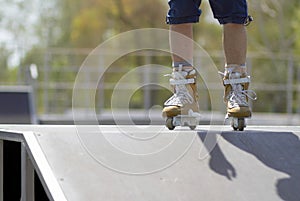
column 192, row 127
column 169, row 123
column 241, row 124
column 238, row 124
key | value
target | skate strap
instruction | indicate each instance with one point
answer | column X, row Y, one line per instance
column 182, row 81
column 237, row 81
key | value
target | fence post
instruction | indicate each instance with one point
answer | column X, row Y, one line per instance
column 46, row 81
column 289, row 90
column 147, row 89
column 101, row 99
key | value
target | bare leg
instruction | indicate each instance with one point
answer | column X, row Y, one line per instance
column 235, row 48
column 235, row 43
column 181, row 47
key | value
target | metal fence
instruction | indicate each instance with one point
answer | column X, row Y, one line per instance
column 276, row 80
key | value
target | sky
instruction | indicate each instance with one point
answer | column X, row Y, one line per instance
column 10, row 19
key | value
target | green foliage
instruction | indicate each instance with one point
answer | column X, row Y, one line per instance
column 87, row 23
column 4, row 53
column 274, row 26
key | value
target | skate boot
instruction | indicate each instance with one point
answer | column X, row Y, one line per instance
column 182, row 108
column 236, row 95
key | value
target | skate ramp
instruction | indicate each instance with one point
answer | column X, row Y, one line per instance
column 115, row 163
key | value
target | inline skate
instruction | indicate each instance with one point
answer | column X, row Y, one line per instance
column 182, row 108
column 236, row 95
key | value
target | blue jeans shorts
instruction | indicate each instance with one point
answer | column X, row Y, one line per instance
column 225, row 11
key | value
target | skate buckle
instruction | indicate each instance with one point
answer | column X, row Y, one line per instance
column 237, row 81
column 182, row 81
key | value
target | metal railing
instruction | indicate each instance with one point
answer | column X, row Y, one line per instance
column 55, row 85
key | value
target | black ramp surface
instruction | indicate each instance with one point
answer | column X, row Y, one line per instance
column 140, row 163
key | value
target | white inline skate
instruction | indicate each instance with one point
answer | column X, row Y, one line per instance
column 182, row 108
column 236, row 95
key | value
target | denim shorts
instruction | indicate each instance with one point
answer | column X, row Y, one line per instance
column 225, row 11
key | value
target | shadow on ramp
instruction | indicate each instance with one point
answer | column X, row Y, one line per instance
column 277, row 150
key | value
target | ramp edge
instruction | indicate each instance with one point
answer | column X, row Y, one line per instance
column 42, row 167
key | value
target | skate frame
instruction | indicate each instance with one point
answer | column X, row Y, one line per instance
column 191, row 120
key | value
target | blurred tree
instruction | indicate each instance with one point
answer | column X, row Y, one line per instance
column 275, row 24
column 4, row 53
column 87, row 23
column 295, row 25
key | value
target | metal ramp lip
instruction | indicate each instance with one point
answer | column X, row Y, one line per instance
column 11, row 135
column 49, row 181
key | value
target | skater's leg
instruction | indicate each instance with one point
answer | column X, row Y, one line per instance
column 235, row 48
column 235, row 43
column 181, row 44
column 233, row 14
column 185, row 95
column 181, row 16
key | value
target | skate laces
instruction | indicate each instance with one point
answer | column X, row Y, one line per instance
column 238, row 96
column 181, row 93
